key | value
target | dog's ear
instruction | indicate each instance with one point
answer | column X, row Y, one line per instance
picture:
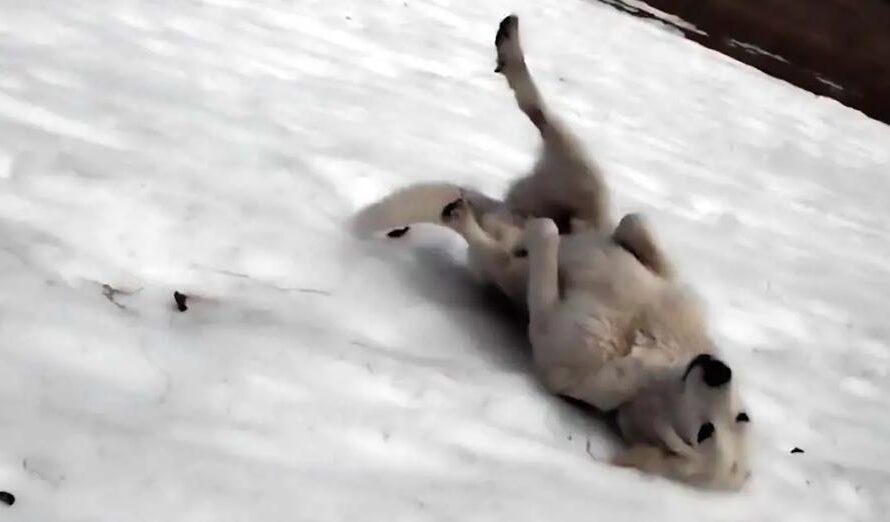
column 699, row 360
column 715, row 372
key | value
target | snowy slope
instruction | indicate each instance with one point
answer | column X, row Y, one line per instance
column 216, row 148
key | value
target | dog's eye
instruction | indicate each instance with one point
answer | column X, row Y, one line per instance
column 742, row 417
column 705, row 432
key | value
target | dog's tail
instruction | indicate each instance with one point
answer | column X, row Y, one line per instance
column 419, row 203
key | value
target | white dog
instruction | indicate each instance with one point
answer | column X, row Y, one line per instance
column 609, row 323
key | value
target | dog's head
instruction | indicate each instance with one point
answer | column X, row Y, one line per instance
column 698, row 419
column 713, row 421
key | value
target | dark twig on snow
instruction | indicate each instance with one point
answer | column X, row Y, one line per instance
column 180, row 301
column 587, row 449
column 111, row 293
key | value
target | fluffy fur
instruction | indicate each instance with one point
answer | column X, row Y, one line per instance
column 609, row 322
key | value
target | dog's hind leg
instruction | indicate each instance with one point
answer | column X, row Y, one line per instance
column 565, row 185
column 511, row 63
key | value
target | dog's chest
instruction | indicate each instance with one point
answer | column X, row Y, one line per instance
column 605, row 272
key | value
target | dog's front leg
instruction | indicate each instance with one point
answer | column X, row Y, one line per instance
column 495, row 260
column 542, row 241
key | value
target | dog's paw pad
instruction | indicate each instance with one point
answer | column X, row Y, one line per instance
column 507, row 43
column 452, row 211
column 398, row 232
column 506, row 29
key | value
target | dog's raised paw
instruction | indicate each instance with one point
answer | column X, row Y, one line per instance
column 506, row 29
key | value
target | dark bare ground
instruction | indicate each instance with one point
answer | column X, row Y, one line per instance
column 834, row 48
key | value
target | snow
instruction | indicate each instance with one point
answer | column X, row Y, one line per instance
column 834, row 85
column 753, row 49
column 216, row 148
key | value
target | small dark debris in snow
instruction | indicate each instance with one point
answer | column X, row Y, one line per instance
column 315, row 291
column 569, row 437
column 399, row 232
column 796, row 450
column 587, row 449
column 562, row 79
column 180, row 301
column 348, row 17
column 7, row 498
column 111, row 293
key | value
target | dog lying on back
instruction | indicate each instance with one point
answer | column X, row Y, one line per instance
column 610, row 324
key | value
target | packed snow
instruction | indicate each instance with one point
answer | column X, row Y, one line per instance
column 217, row 148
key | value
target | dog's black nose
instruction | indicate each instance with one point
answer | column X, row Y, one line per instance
column 716, row 373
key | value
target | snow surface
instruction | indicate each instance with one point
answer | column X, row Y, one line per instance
column 216, row 148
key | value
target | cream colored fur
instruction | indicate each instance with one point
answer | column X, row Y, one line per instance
column 609, row 322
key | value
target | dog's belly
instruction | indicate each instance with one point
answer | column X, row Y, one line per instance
column 599, row 279
column 604, row 291
column 587, row 332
